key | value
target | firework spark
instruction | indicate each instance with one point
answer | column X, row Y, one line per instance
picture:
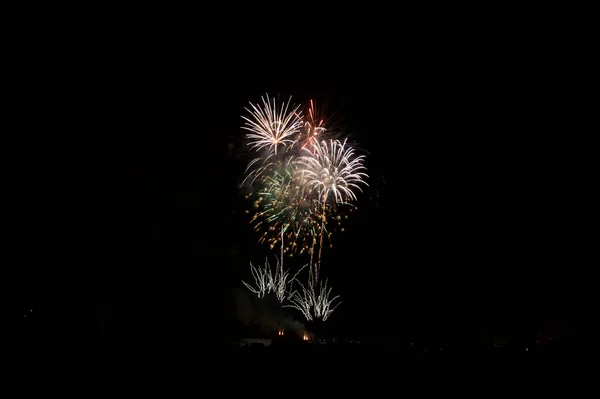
column 296, row 196
column 313, row 126
column 272, row 125
column 269, row 280
column 322, row 304
column 300, row 180
column 314, row 300
column 302, row 300
column 284, row 206
column 332, row 169
column 262, row 280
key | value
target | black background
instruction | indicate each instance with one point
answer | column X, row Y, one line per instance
column 129, row 213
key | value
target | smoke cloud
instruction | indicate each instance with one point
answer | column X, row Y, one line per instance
column 263, row 313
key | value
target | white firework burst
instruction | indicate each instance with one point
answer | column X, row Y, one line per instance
column 269, row 280
column 272, row 125
column 314, row 300
column 262, row 280
column 332, row 169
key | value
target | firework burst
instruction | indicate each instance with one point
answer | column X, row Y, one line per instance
column 314, row 300
column 331, row 168
column 296, row 190
column 262, row 280
column 272, row 126
column 313, row 126
column 333, row 172
column 274, row 280
column 285, row 206
column 300, row 180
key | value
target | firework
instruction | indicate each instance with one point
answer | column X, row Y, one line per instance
column 313, row 126
column 293, row 190
column 272, row 126
column 300, row 179
column 332, row 172
column 285, row 206
column 262, row 280
column 331, row 168
column 314, row 300
column 302, row 300
column 271, row 176
column 282, row 281
column 269, row 280
column 323, row 304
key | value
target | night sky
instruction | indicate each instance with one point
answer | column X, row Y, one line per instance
column 133, row 214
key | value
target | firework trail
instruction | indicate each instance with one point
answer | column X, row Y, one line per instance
column 322, row 303
column 332, row 171
column 314, row 300
column 313, row 126
column 274, row 280
column 262, row 280
column 302, row 300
